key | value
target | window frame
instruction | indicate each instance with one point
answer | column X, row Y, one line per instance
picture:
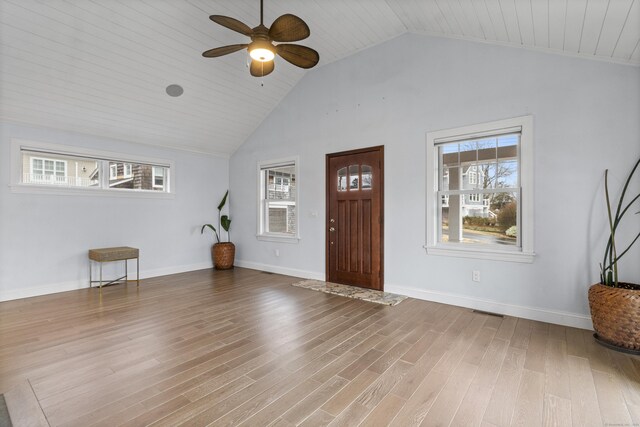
column 261, row 201
column 525, row 253
column 102, row 157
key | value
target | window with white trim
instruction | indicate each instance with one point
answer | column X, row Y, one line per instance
column 42, row 167
column 47, row 171
column 277, row 205
column 158, row 173
column 480, row 184
column 113, row 171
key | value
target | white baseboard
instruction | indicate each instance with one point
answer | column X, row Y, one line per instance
column 53, row 288
column 533, row 313
column 304, row 274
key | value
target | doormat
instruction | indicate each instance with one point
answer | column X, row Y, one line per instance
column 369, row 295
column 5, row 419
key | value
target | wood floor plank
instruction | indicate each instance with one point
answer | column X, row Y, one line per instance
column 556, row 411
column 585, row 410
column 314, row 401
column 476, row 399
column 629, row 376
column 23, row 407
column 611, row 399
column 349, row 393
column 319, row 418
column 241, row 346
column 384, row 412
column 529, row 404
column 503, row 399
column 446, row 404
column 521, row 334
column 418, row 405
column 556, row 369
column 575, row 343
column 536, row 351
column 507, row 327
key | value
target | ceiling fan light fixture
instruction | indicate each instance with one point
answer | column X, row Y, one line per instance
column 261, row 51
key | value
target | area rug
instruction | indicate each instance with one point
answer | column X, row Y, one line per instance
column 370, row 295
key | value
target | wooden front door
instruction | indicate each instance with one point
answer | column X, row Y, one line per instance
column 354, row 239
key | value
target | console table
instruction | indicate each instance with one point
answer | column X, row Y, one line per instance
column 121, row 253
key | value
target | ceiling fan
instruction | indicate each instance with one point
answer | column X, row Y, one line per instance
column 286, row 28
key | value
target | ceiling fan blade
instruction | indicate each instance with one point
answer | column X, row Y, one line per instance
column 300, row 56
column 232, row 24
column 261, row 69
column 288, row 28
column 224, row 50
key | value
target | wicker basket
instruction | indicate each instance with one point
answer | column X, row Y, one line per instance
column 223, row 255
column 615, row 313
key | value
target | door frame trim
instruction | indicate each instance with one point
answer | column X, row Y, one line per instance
column 328, row 157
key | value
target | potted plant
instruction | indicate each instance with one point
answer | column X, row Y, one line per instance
column 223, row 253
column 615, row 305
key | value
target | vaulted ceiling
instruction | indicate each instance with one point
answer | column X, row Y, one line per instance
column 101, row 67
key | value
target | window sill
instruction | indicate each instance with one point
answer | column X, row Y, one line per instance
column 101, row 192
column 494, row 255
column 277, row 239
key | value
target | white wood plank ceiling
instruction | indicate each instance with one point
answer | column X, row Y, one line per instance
column 101, row 67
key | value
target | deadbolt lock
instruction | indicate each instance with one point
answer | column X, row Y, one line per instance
column 332, row 220
column 332, row 229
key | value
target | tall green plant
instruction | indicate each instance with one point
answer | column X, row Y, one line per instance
column 609, row 265
column 224, row 222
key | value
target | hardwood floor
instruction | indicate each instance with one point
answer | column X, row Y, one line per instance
column 244, row 347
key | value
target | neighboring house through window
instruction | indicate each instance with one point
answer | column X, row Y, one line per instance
column 47, row 171
column 277, row 205
column 480, row 191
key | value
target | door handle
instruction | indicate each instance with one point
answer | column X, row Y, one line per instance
column 332, row 229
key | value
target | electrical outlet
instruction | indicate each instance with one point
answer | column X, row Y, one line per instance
column 475, row 276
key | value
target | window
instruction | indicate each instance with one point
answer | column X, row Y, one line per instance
column 158, row 177
column 278, row 193
column 472, row 175
column 40, row 167
column 47, row 171
column 480, row 187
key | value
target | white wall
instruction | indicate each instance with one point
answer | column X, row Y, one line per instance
column 44, row 238
column 586, row 119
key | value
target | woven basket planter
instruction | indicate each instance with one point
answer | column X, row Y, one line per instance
column 223, row 255
column 615, row 313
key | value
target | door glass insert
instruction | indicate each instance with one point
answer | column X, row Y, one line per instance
column 342, row 179
column 366, row 177
column 353, row 177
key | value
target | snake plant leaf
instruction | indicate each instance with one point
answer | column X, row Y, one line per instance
column 223, row 201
